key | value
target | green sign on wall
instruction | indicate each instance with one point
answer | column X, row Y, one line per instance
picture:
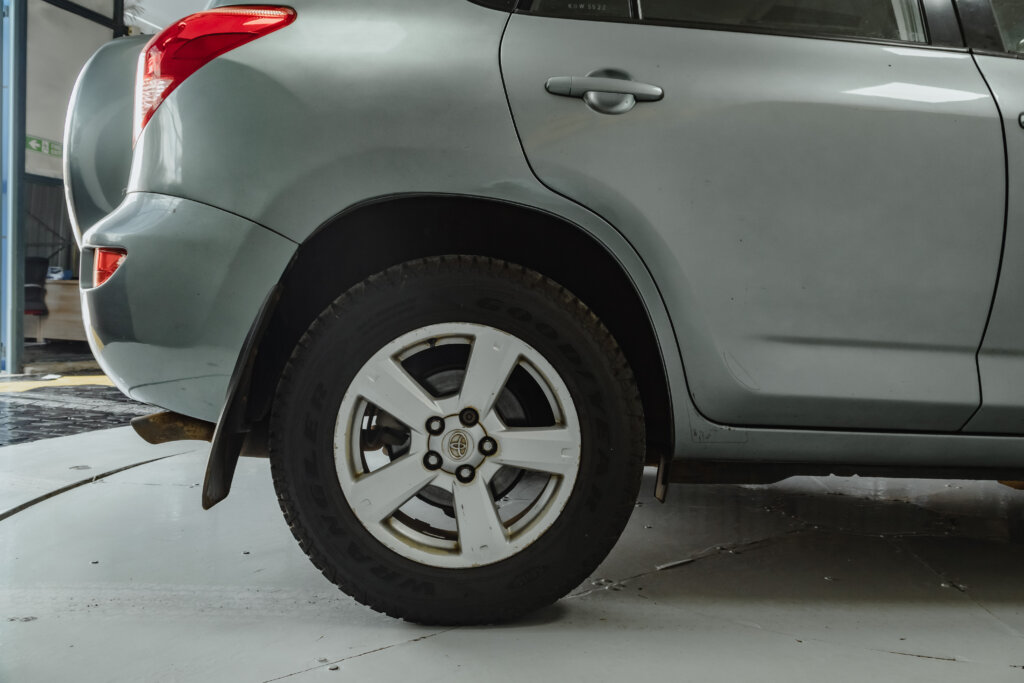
column 43, row 146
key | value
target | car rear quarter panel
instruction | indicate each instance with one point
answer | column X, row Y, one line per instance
column 352, row 101
column 358, row 101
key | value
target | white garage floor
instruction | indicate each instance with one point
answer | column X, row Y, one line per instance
column 128, row 579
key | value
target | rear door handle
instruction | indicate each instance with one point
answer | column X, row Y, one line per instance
column 579, row 86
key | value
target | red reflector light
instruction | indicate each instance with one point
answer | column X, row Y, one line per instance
column 107, row 260
column 182, row 48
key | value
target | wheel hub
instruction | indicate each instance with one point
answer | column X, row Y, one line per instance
column 458, row 446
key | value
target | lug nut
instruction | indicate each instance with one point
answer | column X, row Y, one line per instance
column 465, row 474
column 432, row 460
column 488, row 446
column 435, row 425
column 468, row 417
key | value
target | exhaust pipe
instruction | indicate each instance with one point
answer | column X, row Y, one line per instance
column 167, row 426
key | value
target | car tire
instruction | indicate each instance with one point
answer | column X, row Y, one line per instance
column 380, row 494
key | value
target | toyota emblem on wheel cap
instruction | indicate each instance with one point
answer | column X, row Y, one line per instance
column 457, row 444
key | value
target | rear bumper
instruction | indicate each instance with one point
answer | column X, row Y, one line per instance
column 168, row 326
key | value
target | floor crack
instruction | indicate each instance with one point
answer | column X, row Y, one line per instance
column 64, row 489
column 911, row 654
column 947, row 581
column 336, row 662
column 711, row 551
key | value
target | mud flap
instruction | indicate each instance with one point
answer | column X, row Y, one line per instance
column 233, row 424
column 663, row 478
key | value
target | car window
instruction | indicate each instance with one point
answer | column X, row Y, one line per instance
column 580, row 9
column 900, row 20
column 1010, row 18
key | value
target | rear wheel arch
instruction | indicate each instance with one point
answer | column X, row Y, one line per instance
column 378, row 234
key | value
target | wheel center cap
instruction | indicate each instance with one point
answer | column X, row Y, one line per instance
column 457, row 444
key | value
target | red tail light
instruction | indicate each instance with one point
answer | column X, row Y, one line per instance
column 182, row 48
column 106, row 261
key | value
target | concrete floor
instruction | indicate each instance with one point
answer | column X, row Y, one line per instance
column 125, row 578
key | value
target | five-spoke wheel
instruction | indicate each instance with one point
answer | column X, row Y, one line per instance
column 457, row 440
column 462, row 448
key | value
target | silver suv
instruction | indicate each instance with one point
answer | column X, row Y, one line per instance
column 462, row 269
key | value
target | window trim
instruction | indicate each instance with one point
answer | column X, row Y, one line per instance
column 526, row 7
column 981, row 30
column 499, row 5
column 942, row 27
column 942, row 24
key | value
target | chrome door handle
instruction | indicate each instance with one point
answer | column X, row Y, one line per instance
column 579, row 86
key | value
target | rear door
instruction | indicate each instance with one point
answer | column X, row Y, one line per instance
column 995, row 29
column 819, row 190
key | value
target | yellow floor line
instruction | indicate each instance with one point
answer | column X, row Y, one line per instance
column 71, row 381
